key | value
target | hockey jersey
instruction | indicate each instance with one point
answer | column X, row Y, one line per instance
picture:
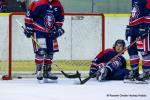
column 140, row 12
column 44, row 16
column 106, row 55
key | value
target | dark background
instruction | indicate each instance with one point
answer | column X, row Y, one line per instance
column 98, row 6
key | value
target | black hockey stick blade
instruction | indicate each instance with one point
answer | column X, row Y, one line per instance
column 77, row 75
column 88, row 78
column 85, row 80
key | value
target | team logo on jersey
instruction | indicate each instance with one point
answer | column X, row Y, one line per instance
column 49, row 21
column 134, row 13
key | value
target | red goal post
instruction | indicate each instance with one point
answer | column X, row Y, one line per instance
column 76, row 23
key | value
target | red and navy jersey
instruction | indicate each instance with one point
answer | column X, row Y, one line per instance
column 140, row 12
column 44, row 15
column 106, row 55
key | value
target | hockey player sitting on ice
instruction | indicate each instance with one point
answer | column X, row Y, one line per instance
column 43, row 21
column 116, row 70
column 138, row 29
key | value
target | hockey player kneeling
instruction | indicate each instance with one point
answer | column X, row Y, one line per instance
column 116, row 70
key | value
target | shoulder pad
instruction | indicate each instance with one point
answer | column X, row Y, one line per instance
column 37, row 3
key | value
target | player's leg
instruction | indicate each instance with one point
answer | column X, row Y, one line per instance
column 51, row 48
column 39, row 59
column 119, row 74
column 39, row 54
column 107, row 71
column 47, row 67
column 146, row 67
column 134, row 61
column 132, row 33
column 145, row 56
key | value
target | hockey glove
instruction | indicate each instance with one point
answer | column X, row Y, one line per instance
column 57, row 32
column 143, row 32
column 28, row 32
column 101, row 65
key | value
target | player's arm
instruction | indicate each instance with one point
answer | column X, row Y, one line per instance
column 60, row 18
column 58, row 30
column 32, row 12
column 100, row 59
column 29, row 30
column 119, row 62
column 99, row 62
column 141, row 30
column 96, row 64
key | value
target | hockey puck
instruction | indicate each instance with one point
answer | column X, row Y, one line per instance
column 19, row 77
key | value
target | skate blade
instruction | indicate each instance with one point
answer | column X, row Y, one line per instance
column 141, row 82
column 45, row 80
column 102, row 81
column 40, row 81
column 136, row 82
column 128, row 81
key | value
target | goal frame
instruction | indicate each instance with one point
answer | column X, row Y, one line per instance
column 9, row 73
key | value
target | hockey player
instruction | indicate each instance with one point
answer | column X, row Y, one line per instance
column 138, row 29
column 3, row 6
column 22, row 4
column 43, row 21
column 116, row 70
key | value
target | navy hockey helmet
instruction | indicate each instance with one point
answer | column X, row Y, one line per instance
column 119, row 41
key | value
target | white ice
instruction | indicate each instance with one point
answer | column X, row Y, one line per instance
column 66, row 89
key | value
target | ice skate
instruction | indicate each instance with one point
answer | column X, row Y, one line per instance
column 143, row 78
column 101, row 76
column 49, row 75
column 39, row 76
column 133, row 74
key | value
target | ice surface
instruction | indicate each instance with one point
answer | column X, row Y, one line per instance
column 66, row 89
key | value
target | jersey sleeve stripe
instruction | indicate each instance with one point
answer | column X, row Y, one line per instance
column 28, row 20
column 137, row 21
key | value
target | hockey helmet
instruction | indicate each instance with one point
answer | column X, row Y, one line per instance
column 119, row 41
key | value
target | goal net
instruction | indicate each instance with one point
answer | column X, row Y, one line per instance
column 83, row 39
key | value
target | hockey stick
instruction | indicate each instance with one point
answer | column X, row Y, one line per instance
column 77, row 75
column 114, row 58
column 27, row 31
